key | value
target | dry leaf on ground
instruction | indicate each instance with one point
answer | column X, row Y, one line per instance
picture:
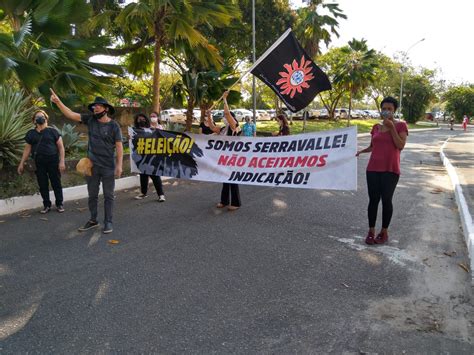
column 464, row 267
column 450, row 253
column 113, row 241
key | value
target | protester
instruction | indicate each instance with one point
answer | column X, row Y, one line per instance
column 383, row 170
column 284, row 126
column 231, row 128
column 451, row 122
column 141, row 121
column 465, row 121
column 249, row 129
column 47, row 150
column 155, row 121
column 204, row 126
column 105, row 138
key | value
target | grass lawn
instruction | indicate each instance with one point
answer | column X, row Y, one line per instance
column 363, row 126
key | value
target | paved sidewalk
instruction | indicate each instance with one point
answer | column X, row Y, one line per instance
column 460, row 152
column 458, row 157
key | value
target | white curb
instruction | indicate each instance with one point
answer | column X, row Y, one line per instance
column 466, row 218
column 16, row 204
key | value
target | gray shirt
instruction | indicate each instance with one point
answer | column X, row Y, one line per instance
column 102, row 139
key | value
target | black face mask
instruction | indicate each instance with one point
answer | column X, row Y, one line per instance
column 141, row 124
column 39, row 120
column 100, row 114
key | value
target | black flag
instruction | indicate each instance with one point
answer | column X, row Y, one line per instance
column 289, row 71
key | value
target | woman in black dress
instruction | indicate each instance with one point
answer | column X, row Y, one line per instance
column 230, row 195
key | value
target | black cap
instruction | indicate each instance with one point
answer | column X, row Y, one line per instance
column 101, row 101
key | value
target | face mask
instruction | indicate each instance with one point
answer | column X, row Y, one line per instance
column 100, row 114
column 387, row 114
column 154, row 119
column 39, row 120
column 141, row 123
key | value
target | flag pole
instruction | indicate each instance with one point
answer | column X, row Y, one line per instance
column 262, row 57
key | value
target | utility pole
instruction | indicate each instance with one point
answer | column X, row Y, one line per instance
column 254, row 97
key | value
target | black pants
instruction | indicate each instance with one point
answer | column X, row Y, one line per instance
column 156, row 181
column 381, row 185
column 107, row 178
column 233, row 190
column 47, row 169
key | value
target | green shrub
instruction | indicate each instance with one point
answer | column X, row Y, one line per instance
column 15, row 115
column 71, row 139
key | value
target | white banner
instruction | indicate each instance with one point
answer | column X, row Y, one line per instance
column 321, row 160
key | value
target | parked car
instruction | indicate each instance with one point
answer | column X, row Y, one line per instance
column 263, row 115
column 241, row 114
column 173, row 115
column 218, row 115
column 323, row 113
column 340, row 113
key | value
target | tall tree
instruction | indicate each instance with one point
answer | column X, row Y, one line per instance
column 312, row 27
column 331, row 63
column 173, row 24
column 387, row 79
column 358, row 69
column 41, row 49
column 460, row 100
column 418, row 91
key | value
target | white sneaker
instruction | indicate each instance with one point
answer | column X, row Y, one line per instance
column 140, row 197
column 161, row 198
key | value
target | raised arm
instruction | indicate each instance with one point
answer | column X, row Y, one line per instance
column 64, row 109
column 228, row 116
column 211, row 124
column 399, row 139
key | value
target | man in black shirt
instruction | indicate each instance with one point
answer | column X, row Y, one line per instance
column 105, row 138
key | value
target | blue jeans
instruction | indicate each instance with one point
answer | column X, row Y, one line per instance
column 106, row 176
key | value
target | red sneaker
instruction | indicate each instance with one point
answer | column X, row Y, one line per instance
column 370, row 239
column 381, row 238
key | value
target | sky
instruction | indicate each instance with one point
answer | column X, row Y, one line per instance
column 392, row 26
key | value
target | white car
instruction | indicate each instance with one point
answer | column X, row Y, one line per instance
column 173, row 115
column 263, row 115
column 241, row 114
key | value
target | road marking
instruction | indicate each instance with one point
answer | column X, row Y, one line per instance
column 396, row 255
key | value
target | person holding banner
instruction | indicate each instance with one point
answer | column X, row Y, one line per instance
column 284, row 126
column 231, row 128
column 155, row 121
column 141, row 121
column 383, row 171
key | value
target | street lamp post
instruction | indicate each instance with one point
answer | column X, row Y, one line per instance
column 405, row 55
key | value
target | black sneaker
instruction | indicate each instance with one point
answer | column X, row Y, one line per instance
column 60, row 208
column 45, row 210
column 108, row 228
column 88, row 225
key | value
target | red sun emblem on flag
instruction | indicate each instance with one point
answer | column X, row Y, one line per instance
column 296, row 77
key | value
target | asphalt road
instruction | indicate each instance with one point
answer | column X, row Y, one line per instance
column 287, row 273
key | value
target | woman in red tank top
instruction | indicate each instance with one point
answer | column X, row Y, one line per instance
column 383, row 170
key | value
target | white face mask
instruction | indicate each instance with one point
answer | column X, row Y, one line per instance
column 154, row 119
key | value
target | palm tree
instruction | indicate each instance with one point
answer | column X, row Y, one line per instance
column 358, row 69
column 312, row 28
column 40, row 51
column 173, row 24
